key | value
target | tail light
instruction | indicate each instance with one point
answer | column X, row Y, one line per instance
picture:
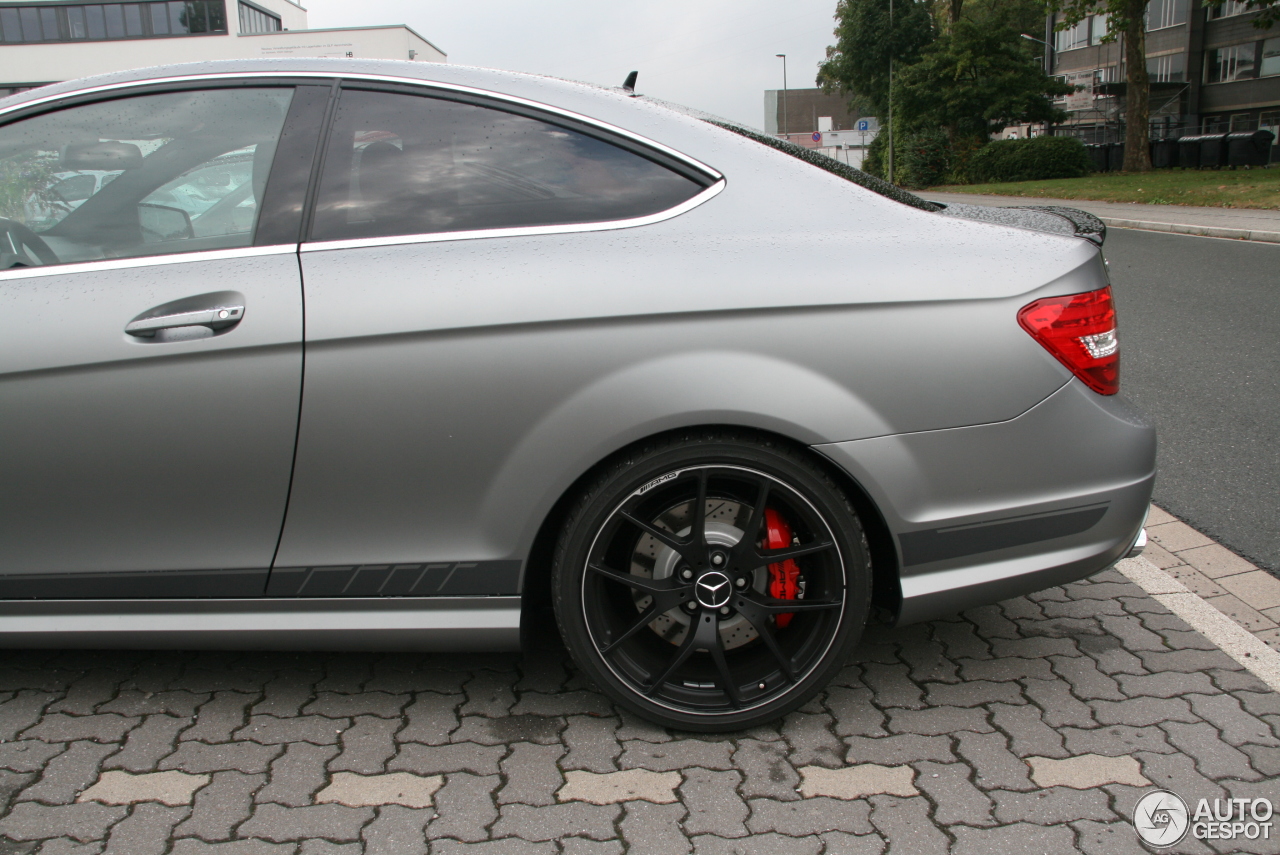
column 1080, row 331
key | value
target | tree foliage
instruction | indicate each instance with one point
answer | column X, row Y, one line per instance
column 959, row 78
column 26, row 184
column 977, row 79
column 858, row 63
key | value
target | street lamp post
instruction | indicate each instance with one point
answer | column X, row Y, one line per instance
column 783, row 57
column 1048, row 66
column 891, row 45
column 1047, row 48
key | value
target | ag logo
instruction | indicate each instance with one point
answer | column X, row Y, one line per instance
column 1161, row 818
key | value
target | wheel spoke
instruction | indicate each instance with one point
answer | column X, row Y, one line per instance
column 663, row 602
column 664, row 537
column 773, row 556
column 639, row 583
column 769, row 605
column 698, row 531
column 757, row 513
column 682, row 653
column 708, row 638
column 759, row 619
column 646, row 618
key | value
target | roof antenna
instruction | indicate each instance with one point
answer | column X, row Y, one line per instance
column 630, row 85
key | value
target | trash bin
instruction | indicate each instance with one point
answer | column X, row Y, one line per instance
column 1189, row 152
column 1115, row 156
column 1164, row 154
column 1097, row 156
column 1249, row 148
column 1213, row 150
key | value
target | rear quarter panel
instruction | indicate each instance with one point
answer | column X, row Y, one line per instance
column 455, row 389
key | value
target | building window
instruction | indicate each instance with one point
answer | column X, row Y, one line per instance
column 1270, row 58
column 1223, row 65
column 1076, row 36
column 103, row 21
column 1100, row 27
column 1242, row 122
column 1166, row 13
column 255, row 20
column 1227, row 9
column 1171, row 68
column 1086, row 83
column 1270, row 121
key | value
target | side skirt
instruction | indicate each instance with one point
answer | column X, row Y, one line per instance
column 375, row 623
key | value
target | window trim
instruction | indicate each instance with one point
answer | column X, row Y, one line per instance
column 252, row 78
column 99, row 264
column 705, row 195
column 714, row 180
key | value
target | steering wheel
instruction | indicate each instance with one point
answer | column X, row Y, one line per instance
column 15, row 239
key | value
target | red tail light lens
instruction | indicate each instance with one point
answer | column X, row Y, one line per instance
column 1080, row 330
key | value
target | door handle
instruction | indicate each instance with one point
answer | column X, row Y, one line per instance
column 216, row 318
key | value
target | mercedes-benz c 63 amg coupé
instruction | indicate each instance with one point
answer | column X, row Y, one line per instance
column 303, row 353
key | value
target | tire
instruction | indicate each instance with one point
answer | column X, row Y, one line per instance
column 681, row 618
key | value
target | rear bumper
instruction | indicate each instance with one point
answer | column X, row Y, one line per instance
column 980, row 514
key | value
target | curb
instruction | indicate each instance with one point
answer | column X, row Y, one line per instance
column 1199, row 231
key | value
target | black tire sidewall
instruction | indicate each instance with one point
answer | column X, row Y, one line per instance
column 598, row 504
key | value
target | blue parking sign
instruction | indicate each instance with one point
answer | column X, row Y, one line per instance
column 864, row 125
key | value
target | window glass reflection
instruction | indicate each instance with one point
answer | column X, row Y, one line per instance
column 404, row 164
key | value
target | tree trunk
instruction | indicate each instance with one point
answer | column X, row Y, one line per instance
column 953, row 10
column 1137, row 149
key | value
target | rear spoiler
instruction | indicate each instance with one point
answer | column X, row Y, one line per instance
column 1043, row 218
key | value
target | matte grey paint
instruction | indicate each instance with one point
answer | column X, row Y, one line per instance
column 1075, row 449
column 133, row 454
column 455, row 389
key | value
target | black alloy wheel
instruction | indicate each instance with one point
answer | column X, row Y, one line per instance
column 713, row 583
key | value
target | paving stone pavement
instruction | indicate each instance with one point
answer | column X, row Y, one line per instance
column 1033, row 725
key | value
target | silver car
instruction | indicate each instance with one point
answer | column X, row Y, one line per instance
column 443, row 346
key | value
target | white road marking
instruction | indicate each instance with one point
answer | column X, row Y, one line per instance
column 1234, row 640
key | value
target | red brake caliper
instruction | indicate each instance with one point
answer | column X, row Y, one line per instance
column 783, row 576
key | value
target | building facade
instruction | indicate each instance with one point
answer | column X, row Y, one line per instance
column 1211, row 70
column 816, row 120
column 45, row 41
column 802, row 111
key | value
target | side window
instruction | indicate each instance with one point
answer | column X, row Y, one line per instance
column 146, row 175
column 405, row 164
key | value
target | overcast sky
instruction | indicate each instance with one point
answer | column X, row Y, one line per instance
column 716, row 55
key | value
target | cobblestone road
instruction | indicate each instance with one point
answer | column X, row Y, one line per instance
column 1031, row 726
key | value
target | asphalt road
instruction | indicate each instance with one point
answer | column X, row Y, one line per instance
column 1200, row 353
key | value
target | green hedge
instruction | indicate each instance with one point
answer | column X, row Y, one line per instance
column 921, row 158
column 1029, row 160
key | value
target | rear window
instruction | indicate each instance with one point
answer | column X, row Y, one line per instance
column 830, row 164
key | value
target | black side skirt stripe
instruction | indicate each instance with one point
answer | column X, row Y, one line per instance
column 940, row 544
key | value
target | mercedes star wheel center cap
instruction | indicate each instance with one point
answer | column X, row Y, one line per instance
column 713, row 590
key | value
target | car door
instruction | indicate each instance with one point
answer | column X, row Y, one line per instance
column 435, row 283
column 150, row 352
